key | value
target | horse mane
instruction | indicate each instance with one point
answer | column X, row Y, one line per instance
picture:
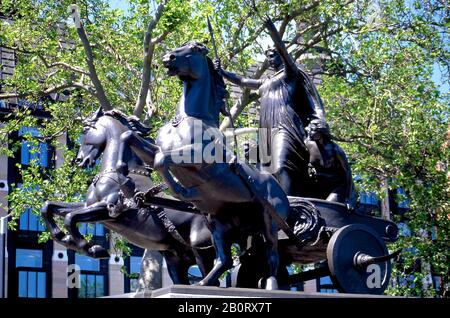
column 131, row 122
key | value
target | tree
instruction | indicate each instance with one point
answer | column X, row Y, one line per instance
column 378, row 61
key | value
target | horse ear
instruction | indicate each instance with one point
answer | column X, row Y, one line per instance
column 98, row 113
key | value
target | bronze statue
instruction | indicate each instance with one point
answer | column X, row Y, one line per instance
column 239, row 200
column 289, row 101
column 328, row 165
column 147, row 227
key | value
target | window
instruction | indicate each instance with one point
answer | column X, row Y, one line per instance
column 32, row 279
column 93, row 276
column 96, row 229
column 369, row 198
column 38, row 152
column 326, row 285
column 194, row 274
column 133, row 268
column 30, row 222
column 87, row 263
column 402, row 199
column 92, row 286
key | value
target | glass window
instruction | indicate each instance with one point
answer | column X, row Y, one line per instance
column 23, row 285
column 87, row 263
column 369, row 198
column 93, row 276
column 326, row 285
column 91, row 286
column 28, row 258
column 135, row 268
column 96, row 229
column 194, row 274
column 32, row 284
column 31, row 151
column 402, row 199
column 30, row 222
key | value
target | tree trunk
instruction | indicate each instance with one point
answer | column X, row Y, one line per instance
column 151, row 271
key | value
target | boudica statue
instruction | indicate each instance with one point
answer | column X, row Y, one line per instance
column 217, row 192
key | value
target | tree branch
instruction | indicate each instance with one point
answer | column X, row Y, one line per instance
column 101, row 95
column 319, row 36
column 149, row 47
column 308, row 7
column 50, row 90
column 61, row 64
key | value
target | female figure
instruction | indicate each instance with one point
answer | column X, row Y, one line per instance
column 328, row 165
column 289, row 101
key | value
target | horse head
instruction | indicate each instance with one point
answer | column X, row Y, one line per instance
column 99, row 128
column 205, row 91
column 93, row 141
column 188, row 62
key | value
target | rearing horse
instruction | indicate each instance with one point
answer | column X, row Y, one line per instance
column 198, row 168
column 142, row 227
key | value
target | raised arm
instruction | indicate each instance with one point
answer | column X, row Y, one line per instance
column 236, row 79
column 288, row 61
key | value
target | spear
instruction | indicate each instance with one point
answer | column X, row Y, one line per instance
column 213, row 43
column 211, row 34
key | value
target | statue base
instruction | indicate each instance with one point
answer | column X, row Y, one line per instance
column 186, row 291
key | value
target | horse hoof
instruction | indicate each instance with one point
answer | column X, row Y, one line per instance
column 98, row 251
column 58, row 235
column 268, row 283
column 68, row 241
column 271, row 283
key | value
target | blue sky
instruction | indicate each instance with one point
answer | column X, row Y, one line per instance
column 117, row 4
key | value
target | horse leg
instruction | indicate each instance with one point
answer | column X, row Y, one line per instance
column 162, row 164
column 205, row 261
column 200, row 237
column 278, row 204
column 222, row 245
column 273, row 259
column 93, row 213
column 275, row 206
column 52, row 208
column 177, row 267
column 143, row 148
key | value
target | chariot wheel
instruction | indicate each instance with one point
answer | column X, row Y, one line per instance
column 355, row 259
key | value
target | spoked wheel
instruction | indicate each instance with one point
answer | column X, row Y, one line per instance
column 358, row 260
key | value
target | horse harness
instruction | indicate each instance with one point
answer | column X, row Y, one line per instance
column 139, row 172
column 168, row 224
column 171, row 228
